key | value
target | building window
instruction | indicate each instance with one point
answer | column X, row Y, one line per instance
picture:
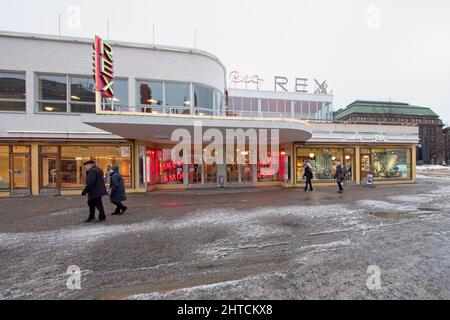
column 391, row 163
column 160, row 169
column 323, row 162
column 12, row 91
column 178, row 96
column 120, row 100
column 218, row 102
column 73, row 174
column 82, row 95
column 64, row 93
column 150, row 95
column 52, row 93
column 203, row 97
column 269, row 171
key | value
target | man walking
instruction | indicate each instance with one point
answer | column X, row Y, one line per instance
column 308, row 175
column 339, row 176
column 95, row 189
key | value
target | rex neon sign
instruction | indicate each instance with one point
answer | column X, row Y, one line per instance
column 103, row 68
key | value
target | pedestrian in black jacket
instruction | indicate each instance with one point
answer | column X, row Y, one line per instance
column 117, row 190
column 308, row 175
column 339, row 176
column 95, row 190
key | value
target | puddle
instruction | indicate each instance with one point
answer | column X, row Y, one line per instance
column 404, row 215
column 429, row 209
column 391, row 215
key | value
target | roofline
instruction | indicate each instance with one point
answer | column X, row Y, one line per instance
column 375, row 103
column 381, row 102
column 69, row 39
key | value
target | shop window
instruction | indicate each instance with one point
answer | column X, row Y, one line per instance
column 210, row 173
column 268, row 170
column 323, row 162
column 12, row 91
column 391, row 163
column 4, row 168
column 73, row 174
column 160, row 169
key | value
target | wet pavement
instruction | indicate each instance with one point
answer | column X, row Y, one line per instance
column 269, row 243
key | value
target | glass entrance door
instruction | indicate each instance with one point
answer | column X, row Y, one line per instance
column 49, row 176
column 20, row 169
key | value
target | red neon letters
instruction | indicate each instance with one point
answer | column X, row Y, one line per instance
column 103, row 68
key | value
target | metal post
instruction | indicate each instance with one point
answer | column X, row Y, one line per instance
column 59, row 24
column 153, row 34
column 195, row 38
column 107, row 28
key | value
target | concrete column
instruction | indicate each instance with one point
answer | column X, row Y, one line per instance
column 357, row 169
column 413, row 163
column 35, row 169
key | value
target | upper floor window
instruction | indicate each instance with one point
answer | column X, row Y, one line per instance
column 203, row 97
column 64, row 93
column 175, row 97
column 12, row 91
column 178, row 94
column 150, row 93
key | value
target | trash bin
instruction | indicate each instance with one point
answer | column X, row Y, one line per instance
column 221, row 181
column 370, row 181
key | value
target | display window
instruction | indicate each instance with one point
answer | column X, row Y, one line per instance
column 268, row 170
column 160, row 169
column 387, row 163
column 323, row 162
column 73, row 174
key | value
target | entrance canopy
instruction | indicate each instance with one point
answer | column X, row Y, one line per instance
column 158, row 128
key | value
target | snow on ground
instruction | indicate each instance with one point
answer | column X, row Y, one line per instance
column 432, row 167
column 258, row 230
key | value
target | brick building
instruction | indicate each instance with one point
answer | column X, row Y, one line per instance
column 431, row 148
column 447, row 144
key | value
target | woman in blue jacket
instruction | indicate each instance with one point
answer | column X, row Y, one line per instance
column 117, row 191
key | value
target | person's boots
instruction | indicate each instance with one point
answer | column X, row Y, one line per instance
column 102, row 217
column 124, row 209
column 117, row 212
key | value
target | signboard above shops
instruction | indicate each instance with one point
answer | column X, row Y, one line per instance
column 300, row 85
column 103, row 71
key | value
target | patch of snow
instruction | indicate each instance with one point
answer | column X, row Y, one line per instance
column 432, row 167
column 421, row 198
column 225, row 285
column 385, row 206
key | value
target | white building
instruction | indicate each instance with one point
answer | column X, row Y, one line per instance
column 48, row 125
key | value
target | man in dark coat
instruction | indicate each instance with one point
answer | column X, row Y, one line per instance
column 117, row 191
column 339, row 176
column 308, row 175
column 95, row 189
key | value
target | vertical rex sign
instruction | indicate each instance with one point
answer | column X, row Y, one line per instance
column 103, row 71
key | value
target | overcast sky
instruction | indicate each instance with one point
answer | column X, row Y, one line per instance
column 392, row 50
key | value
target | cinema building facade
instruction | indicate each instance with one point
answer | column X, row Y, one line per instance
column 49, row 125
